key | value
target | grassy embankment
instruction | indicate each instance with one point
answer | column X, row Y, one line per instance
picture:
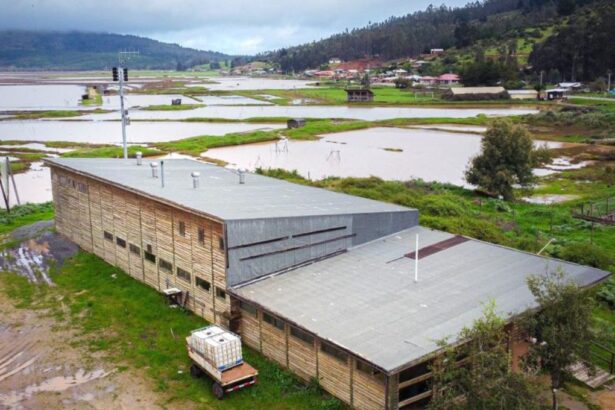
column 24, row 215
column 132, row 327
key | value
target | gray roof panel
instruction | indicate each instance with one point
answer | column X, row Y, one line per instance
column 366, row 300
column 220, row 193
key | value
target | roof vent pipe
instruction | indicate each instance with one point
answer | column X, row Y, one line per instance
column 139, row 157
column 242, row 176
column 154, row 166
column 416, row 260
column 195, row 179
column 162, row 173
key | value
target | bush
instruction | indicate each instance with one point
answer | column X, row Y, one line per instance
column 443, row 205
column 607, row 292
column 586, row 254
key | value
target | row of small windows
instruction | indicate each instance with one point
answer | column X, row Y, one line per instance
column 69, row 182
column 164, row 265
column 309, row 339
column 181, row 231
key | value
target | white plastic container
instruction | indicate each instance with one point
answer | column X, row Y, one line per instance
column 220, row 347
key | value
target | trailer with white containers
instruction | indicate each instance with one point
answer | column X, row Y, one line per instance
column 217, row 352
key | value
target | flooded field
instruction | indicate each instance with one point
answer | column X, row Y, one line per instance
column 40, row 97
column 110, row 132
column 388, row 153
column 248, row 83
column 337, row 111
column 34, row 186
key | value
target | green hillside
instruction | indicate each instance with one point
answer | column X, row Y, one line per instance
column 33, row 50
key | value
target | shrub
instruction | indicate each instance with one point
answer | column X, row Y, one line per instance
column 587, row 254
column 607, row 292
column 443, row 205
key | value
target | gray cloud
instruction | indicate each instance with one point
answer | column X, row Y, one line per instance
column 232, row 26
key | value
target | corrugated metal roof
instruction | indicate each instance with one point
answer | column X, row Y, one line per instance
column 366, row 300
column 220, row 193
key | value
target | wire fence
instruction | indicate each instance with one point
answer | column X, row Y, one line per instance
column 601, row 211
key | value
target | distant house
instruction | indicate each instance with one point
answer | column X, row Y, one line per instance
column 557, row 94
column 428, row 80
column 325, row 74
column 523, row 94
column 335, row 61
column 295, row 123
column 449, row 79
column 359, row 95
column 570, row 86
column 477, row 93
column 436, row 51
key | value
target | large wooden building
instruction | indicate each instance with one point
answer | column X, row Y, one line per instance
column 322, row 283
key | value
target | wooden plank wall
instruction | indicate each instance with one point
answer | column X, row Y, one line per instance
column 360, row 389
column 302, row 358
column 273, row 343
column 84, row 212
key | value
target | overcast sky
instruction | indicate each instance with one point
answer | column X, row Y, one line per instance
column 230, row 26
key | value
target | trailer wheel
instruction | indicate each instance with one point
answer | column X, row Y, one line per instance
column 195, row 371
column 218, row 391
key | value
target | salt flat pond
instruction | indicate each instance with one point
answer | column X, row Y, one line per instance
column 388, row 153
column 336, row 111
column 110, row 132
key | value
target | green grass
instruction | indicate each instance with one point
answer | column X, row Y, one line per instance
column 24, row 215
column 48, row 114
column 131, row 325
column 97, row 100
column 111, row 152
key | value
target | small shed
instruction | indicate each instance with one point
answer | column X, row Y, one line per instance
column 295, row 123
column 176, row 101
column 557, row 94
column 359, row 95
column 523, row 94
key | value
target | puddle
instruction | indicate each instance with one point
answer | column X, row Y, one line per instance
column 52, row 385
column 429, row 155
column 40, row 97
column 452, row 127
column 111, row 102
column 564, row 163
column 33, row 258
column 110, row 132
column 549, row 199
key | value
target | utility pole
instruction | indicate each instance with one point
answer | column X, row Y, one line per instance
column 121, row 74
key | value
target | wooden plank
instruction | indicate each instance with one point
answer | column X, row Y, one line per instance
column 334, row 376
column 249, row 330
column 273, row 343
column 302, row 358
column 416, row 398
column 369, row 390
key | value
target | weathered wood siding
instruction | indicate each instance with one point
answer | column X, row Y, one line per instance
column 368, row 390
column 302, row 358
column 273, row 342
column 249, row 329
column 334, row 375
column 87, row 209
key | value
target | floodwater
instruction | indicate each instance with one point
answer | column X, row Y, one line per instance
column 229, row 100
column 249, row 83
column 388, row 153
column 112, row 102
column 336, row 111
column 40, row 97
column 33, row 186
column 110, row 132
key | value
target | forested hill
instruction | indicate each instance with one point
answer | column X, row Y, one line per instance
column 436, row 27
column 35, row 50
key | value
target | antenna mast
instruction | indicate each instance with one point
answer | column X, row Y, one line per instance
column 121, row 73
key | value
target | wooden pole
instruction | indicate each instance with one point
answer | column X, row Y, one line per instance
column 6, row 200
column 10, row 171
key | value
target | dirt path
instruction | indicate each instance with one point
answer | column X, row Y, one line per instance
column 39, row 368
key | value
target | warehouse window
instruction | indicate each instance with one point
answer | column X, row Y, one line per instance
column 302, row 335
column 274, row 321
column 108, row 236
column 220, row 293
column 333, row 351
column 202, row 236
column 135, row 249
column 165, row 266
column 182, row 228
column 182, row 274
column 221, row 242
column 248, row 308
column 149, row 256
column 367, row 369
column 203, row 284
column 120, row 242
